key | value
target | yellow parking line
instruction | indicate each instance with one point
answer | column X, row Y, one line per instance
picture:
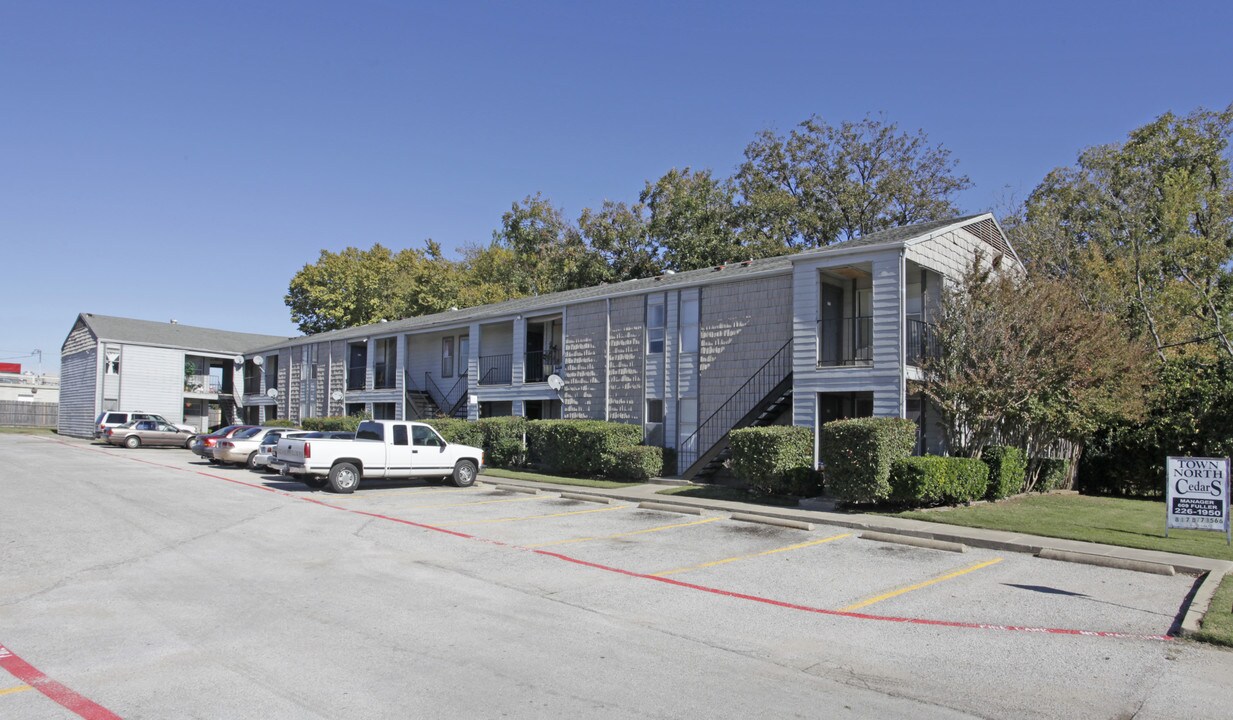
column 626, row 534
column 918, row 586
column 481, row 502
column 10, row 691
column 535, row 517
column 713, row 563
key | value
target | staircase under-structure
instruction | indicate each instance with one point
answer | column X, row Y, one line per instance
column 759, row 402
column 452, row 403
column 420, row 405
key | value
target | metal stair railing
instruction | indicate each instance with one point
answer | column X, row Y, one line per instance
column 715, row 428
column 460, row 386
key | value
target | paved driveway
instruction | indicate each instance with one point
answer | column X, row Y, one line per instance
column 155, row 585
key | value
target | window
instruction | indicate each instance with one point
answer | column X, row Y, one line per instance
column 654, row 426
column 689, row 325
column 400, row 434
column 464, row 354
column 271, row 371
column 373, row 432
column 385, row 364
column 654, row 411
column 111, row 364
column 423, row 435
column 383, row 411
column 447, row 357
column 687, row 419
column 357, row 365
column 655, row 326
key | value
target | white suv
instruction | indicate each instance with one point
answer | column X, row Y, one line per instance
column 115, row 418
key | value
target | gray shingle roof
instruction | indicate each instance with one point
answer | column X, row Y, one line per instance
column 731, row 271
column 166, row 334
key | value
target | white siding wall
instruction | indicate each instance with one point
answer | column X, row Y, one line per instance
column 951, row 253
column 152, row 380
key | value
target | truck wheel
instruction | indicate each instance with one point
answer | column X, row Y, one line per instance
column 132, row 442
column 464, row 473
column 344, row 478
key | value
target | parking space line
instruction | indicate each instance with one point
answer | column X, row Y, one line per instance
column 33, row 677
column 919, row 585
column 625, row 534
column 798, row 546
column 534, row 517
column 479, row 502
column 10, row 691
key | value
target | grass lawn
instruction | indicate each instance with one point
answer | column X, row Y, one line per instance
column 537, row 477
column 1113, row 521
column 722, row 492
column 27, row 431
column 1218, row 621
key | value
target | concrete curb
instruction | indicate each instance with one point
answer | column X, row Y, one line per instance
column 1108, row 561
column 683, row 509
column 587, row 498
column 794, row 524
column 915, row 541
column 1193, row 620
column 518, row 489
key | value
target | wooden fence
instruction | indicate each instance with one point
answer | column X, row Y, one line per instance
column 17, row 413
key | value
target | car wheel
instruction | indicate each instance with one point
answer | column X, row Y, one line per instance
column 344, row 478
column 251, row 462
column 464, row 473
column 188, row 444
column 132, row 442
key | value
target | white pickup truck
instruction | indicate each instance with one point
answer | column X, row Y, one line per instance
column 381, row 449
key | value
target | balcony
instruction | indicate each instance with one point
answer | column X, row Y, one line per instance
column 922, row 343
column 496, row 369
column 540, row 364
column 202, row 384
column 845, row 342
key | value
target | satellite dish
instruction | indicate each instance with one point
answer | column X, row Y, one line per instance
column 258, row 360
column 555, row 382
column 238, row 359
column 272, row 392
column 336, row 395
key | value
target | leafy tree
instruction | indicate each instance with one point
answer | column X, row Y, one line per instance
column 692, row 219
column 536, row 251
column 620, row 233
column 824, row 183
column 1145, row 229
column 344, row 289
column 1024, row 362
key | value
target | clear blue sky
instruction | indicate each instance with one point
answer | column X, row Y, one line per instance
column 182, row 160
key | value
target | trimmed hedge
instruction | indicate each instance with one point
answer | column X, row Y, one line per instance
column 1007, row 471
column 579, row 447
column 1053, row 473
column 932, row 480
column 640, row 462
column 280, row 422
column 502, row 440
column 775, row 460
column 857, row 455
column 462, row 432
column 331, row 423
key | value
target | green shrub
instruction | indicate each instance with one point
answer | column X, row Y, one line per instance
column 931, row 480
column 1053, row 473
column 770, row 460
column 579, row 447
column 502, row 440
column 462, row 432
column 640, row 462
column 1007, row 471
column 332, row 423
column 857, row 455
column 280, row 422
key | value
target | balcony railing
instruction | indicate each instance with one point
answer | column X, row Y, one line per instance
column 356, row 377
column 541, row 364
column 922, row 343
column 206, row 384
column 496, row 369
column 848, row 341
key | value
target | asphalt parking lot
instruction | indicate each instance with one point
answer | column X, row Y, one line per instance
column 154, row 570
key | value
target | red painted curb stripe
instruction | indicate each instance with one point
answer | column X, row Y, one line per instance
column 677, row 583
column 35, row 678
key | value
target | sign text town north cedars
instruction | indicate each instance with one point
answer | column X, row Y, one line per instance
column 1198, row 494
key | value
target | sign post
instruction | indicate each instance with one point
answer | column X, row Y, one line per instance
column 1197, row 495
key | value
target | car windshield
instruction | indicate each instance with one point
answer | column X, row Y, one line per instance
column 246, row 434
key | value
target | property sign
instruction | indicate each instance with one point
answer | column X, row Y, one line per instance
column 1198, row 494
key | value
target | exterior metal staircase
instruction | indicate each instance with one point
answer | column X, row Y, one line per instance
column 447, row 404
column 759, row 402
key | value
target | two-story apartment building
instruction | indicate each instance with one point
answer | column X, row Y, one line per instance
column 802, row 339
